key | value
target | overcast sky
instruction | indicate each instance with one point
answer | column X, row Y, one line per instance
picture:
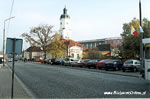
column 90, row 19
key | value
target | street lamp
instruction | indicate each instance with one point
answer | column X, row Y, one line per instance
column 4, row 39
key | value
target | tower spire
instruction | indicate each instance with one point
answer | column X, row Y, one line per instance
column 65, row 10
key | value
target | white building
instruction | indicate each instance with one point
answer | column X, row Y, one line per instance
column 65, row 27
column 75, row 49
column 33, row 52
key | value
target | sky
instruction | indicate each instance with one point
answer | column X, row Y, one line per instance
column 90, row 19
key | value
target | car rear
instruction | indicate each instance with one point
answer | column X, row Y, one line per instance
column 113, row 64
column 132, row 65
column 100, row 64
column 92, row 63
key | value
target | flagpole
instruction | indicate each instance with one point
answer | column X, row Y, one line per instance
column 141, row 36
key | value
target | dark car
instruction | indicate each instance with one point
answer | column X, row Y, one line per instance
column 113, row 64
column 92, row 63
column 56, row 61
column 83, row 63
column 101, row 64
column 0, row 60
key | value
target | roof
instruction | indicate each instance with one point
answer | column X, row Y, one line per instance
column 72, row 43
column 34, row 49
column 102, row 39
column 64, row 15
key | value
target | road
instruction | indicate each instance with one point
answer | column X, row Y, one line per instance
column 46, row 81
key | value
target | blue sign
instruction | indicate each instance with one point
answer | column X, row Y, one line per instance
column 13, row 42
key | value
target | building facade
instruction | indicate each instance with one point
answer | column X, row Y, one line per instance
column 114, row 42
column 33, row 53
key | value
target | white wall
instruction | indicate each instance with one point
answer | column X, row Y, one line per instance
column 75, row 50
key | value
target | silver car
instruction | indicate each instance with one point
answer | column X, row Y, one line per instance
column 133, row 65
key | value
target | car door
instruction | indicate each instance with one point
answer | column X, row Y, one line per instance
column 137, row 64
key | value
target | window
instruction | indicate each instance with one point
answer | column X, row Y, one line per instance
column 129, row 62
column 72, row 55
column 78, row 56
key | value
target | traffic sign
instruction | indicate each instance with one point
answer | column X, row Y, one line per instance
column 10, row 43
column 146, row 41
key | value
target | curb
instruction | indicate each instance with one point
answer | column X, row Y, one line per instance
column 27, row 90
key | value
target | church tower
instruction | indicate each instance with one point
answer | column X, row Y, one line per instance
column 65, row 28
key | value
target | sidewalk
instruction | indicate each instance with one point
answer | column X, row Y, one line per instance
column 5, row 85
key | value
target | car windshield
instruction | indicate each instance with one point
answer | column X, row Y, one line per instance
column 58, row 59
column 75, row 60
column 93, row 61
column 66, row 59
column 103, row 60
column 85, row 60
column 129, row 62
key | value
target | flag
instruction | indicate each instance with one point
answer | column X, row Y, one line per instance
column 141, row 30
column 133, row 31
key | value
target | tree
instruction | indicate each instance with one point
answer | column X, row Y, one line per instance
column 57, row 49
column 94, row 54
column 39, row 36
column 131, row 44
column 146, row 28
column 85, row 55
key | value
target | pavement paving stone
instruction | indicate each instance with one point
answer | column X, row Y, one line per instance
column 5, row 85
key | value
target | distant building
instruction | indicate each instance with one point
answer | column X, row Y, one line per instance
column 108, row 46
column 114, row 42
column 33, row 52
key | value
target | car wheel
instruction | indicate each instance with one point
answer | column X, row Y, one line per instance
column 134, row 69
column 116, row 69
column 123, row 70
column 106, row 69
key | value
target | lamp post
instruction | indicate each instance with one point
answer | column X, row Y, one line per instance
column 4, row 38
column 141, row 36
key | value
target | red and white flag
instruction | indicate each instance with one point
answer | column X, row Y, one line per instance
column 133, row 31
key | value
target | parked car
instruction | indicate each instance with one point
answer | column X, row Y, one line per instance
column 56, row 61
column 83, row 63
column 0, row 60
column 113, row 64
column 92, row 63
column 46, row 61
column 68, row 61
column 133, row 65
column 100, row 64
column 41, row 60
column 75, row 63
column 10, row 60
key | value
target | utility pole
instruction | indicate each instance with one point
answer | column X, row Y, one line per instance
column 141, row 36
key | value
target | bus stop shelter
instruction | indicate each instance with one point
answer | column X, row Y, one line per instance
column 146, row 43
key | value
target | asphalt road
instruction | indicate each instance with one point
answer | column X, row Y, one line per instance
column 46, row 81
